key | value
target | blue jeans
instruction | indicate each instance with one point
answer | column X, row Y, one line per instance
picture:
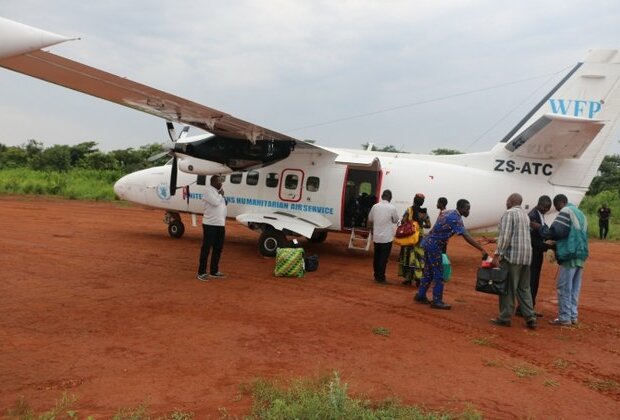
column 569, row 286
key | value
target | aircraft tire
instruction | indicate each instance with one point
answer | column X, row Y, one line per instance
column 269, row 241
column 176, row 228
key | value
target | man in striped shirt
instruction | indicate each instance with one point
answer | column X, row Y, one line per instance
column 514, row 253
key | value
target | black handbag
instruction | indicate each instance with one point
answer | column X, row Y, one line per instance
column 493, row 281
column 312, row 262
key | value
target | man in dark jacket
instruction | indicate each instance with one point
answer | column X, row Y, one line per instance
column 539, row 247
column 569, row 230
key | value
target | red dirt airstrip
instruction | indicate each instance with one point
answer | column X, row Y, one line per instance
column 96, row 300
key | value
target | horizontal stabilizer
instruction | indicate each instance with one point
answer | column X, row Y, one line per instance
column 555, row 136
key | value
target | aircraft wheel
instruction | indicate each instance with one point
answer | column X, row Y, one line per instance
column 318, row 237
column 269, row 241
column 176, row 228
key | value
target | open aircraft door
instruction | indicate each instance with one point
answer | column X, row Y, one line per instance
column 361, row 188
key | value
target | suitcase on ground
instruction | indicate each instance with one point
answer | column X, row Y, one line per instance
column 311, row 263
column 289, row 262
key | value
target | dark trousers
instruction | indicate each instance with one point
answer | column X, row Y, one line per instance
column 379, row 262
column 603, row 228
column 535, row 268
column 212, row 238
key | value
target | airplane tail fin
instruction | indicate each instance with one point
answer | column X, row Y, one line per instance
column 571, row 128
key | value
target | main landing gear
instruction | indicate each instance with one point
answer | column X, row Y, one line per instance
column 176, row 228
column 269, row 241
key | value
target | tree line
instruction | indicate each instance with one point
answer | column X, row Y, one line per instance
column 86, row 155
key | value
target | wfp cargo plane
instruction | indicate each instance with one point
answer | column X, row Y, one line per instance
column 281, row 186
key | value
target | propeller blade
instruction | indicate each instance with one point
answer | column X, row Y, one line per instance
column 173, row 177
column 171, row 132
column 157, row 156
column 184, row 132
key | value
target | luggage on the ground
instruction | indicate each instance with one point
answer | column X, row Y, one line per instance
column 447, row 267
column 289, row 262
column 311, row 262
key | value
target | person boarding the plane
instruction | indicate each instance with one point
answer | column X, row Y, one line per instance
column 383, row 218
column 539, row 247
column 450, row 224
column 213, row 229
column 411, row 259
column 514, row 253
column 569, row 230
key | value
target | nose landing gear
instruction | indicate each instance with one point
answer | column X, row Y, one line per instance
column 176, row 228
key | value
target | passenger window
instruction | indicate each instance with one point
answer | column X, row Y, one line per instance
column 272, row 180
column 291, row 181
column 312, row 184
column 236, row 178
column 251, row 178
column 201, row 180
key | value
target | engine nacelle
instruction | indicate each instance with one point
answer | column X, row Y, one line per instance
column 195, row 166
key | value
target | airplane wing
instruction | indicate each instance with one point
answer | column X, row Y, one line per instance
column 73, row 75
column 555, row 136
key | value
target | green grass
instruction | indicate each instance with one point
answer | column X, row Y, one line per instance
column 64, row 409
column 524, row 370
column 328, row 398
column 561, row 363
column 551, row 383
column 76, row 184
column 323, row 398
column 483, row 341
column 381, row 331
column 604, row 385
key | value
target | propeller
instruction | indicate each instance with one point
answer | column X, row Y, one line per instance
column 170, row 150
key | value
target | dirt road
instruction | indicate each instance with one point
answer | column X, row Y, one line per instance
column 98, row 301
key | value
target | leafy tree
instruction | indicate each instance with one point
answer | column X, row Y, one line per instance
column 441, row 151
column 57, row 157
column 13, row 157
column 33, row 148
column 389, row 148
column 80, row 151
column 608, row 178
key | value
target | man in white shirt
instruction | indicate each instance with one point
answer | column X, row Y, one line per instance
column 383, row 218
column 213, row 222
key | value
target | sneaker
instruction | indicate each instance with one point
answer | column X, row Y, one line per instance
column 218, row 275
column 531, row 324
column 559, row 322
column 574, row 321
column 202, row 277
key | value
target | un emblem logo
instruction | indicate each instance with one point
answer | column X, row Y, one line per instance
column 163, row 192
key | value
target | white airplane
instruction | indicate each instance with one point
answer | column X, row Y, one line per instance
column 282, row 186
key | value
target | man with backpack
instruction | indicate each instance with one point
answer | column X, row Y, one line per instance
column 570, row 233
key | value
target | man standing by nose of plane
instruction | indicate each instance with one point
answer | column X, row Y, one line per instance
column 213, row 229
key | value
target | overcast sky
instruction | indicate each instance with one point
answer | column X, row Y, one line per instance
column 415, row 74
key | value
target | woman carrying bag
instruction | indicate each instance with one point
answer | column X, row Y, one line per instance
column 411, row 259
